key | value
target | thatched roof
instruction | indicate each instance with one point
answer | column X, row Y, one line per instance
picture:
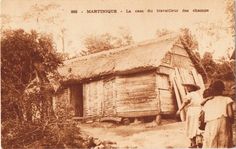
column 137, row 57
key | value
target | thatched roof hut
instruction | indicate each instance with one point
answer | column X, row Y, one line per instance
column 122, row 60
column 132, row 81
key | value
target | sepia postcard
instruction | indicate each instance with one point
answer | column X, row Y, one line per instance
column 118, row 74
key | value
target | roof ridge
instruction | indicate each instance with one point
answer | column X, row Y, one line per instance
column 133, row 58
column 115, row 50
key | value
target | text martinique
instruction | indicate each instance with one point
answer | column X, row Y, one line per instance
column 102, row 11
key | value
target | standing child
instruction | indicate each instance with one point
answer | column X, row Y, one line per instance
column 192, row 100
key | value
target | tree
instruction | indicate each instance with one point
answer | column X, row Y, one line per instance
column 100, row 43
column 221, row 69
column 225, row 69
column 48, row 14
column 209, row 64
column 103, row 42
column 25, row 57
column 190, row 43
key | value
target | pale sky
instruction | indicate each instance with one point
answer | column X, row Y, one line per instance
column 141, row 26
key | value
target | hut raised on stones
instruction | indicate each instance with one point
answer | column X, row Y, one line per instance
column 141, row 80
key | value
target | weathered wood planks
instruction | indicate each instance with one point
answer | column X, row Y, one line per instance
column 167, row 103
column 136, row 93
column 93, row 97
column 183, row 76
column 109, row 97
column 179, row 101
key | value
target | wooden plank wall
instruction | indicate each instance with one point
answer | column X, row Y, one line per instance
column 136, row 95
column 168, row 104
column 109, row 108
column 93, row 97
column 184, row 76
column 180, row 58
column 198, row 80
column 178, row 98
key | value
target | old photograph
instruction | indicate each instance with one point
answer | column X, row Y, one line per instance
column 114, row 74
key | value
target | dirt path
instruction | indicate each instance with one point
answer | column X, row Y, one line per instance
column 164, row 136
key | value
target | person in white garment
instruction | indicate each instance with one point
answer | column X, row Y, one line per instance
column 192, row 101
column 219, row 118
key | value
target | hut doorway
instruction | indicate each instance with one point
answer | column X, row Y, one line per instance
column 76, row 99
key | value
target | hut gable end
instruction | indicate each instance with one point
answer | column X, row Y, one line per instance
column 180, row 58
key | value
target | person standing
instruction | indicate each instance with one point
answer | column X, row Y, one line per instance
column 192, row 100
column 219, row 118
